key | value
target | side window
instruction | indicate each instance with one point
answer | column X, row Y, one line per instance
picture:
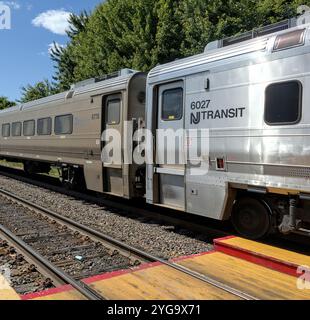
column 29, row 128
column 283, row 103
column 6, row 128
column 64, row 124
column 172, row 104
column 44, row 127
column 113, row 112
column 16, row 129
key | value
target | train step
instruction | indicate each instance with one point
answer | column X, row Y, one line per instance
column 265, row 255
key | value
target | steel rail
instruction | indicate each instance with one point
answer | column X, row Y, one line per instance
column 31, row 260
column 129, row 248
column 171, row 217
column 81, row 287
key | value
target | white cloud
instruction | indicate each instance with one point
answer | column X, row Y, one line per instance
column 49, row 49
column 13, row 4
column 51, row 46
column 55, row 21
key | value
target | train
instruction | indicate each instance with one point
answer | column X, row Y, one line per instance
column 246, row 95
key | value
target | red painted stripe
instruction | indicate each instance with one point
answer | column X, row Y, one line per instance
column 47, row 292
column 235, row 247
column 106, row 276
column 224, row 238
column 257, row 258
column 118, row 273
column 192, row 256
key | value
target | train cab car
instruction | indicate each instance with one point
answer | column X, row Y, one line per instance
column 244, row 101
column 65, row 131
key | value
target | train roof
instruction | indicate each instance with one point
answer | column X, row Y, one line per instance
column 119, row 79
column 239, row 48
column 11, row 109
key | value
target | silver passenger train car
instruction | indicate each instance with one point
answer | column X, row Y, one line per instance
column 64, row 130
column 250, row 92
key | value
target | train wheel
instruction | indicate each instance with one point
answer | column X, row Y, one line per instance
column 251, row 218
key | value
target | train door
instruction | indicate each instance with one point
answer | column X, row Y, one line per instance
column 170, row 165
column 113, row 119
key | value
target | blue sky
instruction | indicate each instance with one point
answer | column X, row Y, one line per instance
column 35, row 24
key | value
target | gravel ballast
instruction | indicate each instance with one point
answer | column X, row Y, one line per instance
column 161, row 240
column 19, row 273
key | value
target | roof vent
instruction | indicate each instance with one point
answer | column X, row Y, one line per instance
column 276, row 27
column 127, row 71
column 70, row 94
column 82, row 84
column 290, row 39
column 214, row 45
column 122, row 72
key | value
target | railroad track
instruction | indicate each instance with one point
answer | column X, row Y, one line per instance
column 53, row 272
column 26, row 274
column 196, row 224
column 193, row 223
column 119, row 247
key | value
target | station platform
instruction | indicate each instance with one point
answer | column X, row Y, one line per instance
column 268, row 256
column 259, row 270
column 6, row 291
column 149, row 282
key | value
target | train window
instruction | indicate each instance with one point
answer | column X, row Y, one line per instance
column 16, row 129
column 29, row 128
column 290, row 39
column 6, row 128
column 283, row 103
column 64, row 124
column 172, row 104
column 113, row 111
column 44, row 127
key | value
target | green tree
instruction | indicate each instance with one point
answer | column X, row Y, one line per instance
column 64, row 65
column 6, row 103
column 39, row 90
column 63, row 55
column 77, row 23
column 195, row 25
column 136, row 33
column 140, row 34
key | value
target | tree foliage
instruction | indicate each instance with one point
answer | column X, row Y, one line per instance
column 63, row 56
column 37, row 91
column 77, row 23
column 140, row 34
column 6, row 103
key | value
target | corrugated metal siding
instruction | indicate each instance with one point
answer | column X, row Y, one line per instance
column 239, row 51
column 213, row 56
column 106, row 85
